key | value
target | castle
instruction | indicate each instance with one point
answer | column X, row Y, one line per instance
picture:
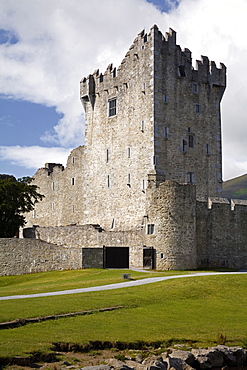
column 145, row 189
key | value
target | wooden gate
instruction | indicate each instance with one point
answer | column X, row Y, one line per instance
column 148, row 258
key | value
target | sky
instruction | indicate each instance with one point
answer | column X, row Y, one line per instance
column 47, row 47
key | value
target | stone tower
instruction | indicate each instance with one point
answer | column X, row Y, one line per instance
column 154, row 118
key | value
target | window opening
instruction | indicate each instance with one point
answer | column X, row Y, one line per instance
column 184, row 145
column 112, row 105
column 53, row 206
column 53, row 185
column 143, row 186
column 155, row 160
column 113, row 223
column 73, row 160
column 195, row 88
column 108, row 181
column 107, row 155
column 190, row 177
column 101, row 78
column 142, row 126
column 191, row 141
column 129, row 152
column 181, row 70
column 165, row 98
column 197, row 108
column 166, row 132
column 150, row 229
column 128, row 183
column 72, row 181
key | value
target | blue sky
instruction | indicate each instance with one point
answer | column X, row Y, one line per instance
column 46, row 47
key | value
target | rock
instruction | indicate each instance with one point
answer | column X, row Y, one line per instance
column 155, row 363
column 118, row 365
column 186, row 356
column 233, row 356
column 208, row 358
column 177, row 364
column 96, row 367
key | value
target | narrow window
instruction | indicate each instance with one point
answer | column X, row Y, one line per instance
column 191, row 141
column 145, row 38
column 129, row 152
column 150, row 229
column 34, row 213
column 112, row 107
column 53, row 185
column 166, row 132
column 184, row 146
column 73, row 160
column 155, row 160
column 161, row 255
column 197, row 108
column 114, row 73
column 181, row 70
column 101, row 78
column 113, row 223
column 195, row 88
column 190, row 177
column 143, row 186
column 128, row 183
column 73, row 209
column 108, row 181
column 107, row 155
column 207, row 149
column 143, row 87
column 189, row 129
column 53, row 206
column 165, row 98
column 72, row 181
column 142, row 126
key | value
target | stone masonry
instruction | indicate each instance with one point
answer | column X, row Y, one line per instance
column 147, row 183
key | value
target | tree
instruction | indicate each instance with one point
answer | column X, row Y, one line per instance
column 16, row 198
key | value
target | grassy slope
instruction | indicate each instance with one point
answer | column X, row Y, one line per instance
column 191, row 308
column 235, row 188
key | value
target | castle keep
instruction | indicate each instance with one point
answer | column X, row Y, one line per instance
column 145, row 189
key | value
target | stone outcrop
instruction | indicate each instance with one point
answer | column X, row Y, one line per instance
column 199, row 359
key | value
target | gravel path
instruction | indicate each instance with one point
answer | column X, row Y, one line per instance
column 125, row 284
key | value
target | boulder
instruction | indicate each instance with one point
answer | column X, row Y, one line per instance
column 177, row 364
column 233, row 356
column 155, row 363
column 186, row 356
column 208, row 358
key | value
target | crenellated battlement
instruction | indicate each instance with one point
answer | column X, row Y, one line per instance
column 144, row 48
column 217, row 202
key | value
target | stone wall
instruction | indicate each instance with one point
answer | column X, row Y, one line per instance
column 172, row 211
column 63, row 189
column 24, row 256
column 221, row 231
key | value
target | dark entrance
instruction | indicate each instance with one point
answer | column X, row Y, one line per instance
column 148, row 258
column 116, row 257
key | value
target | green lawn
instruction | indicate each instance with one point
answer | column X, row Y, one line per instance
column 192, row 309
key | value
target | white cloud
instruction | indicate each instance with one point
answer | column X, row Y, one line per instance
column 33, row 156
column 60, row 41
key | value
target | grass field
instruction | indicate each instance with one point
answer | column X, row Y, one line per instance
column 190, row 310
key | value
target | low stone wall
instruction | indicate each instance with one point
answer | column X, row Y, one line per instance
column 24, row 256
column 222, row 234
